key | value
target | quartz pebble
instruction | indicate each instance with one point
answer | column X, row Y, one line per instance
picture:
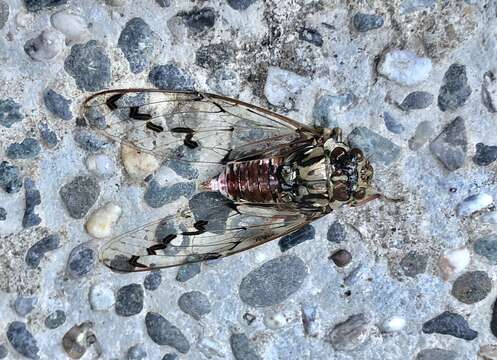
column 29, row 148
column 405, row 67
column 485, row 154
column 289, row 241
column 100, row 222
column 57, row 104
column 170, row 77
column 22, row 340
column 274, row 320
column 451, row 146
column 489, row 91
column 129, row 300
column 473, row 204
column 138, row 164
column 242, row 348
column 73, row 26
column 393, row 324
column 162, row 332
column 437, row 354
column 45, row 46
column 40, row 248
column 79, row 195
column 82, row 260
column 454, row 261
column 472, row 287
column 195, row 304
column 24, row 305
column 55, row 319
column 449, row 323
column 283, row 86
column 101, row 165
column 376, row 147
column 350, row 334
column 32, row 199
column 455, row 90
column 101, row 297
column 366, row 22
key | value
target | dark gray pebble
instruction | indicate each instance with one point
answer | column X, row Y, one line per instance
column 22, row 340
column 311, row 36
column 455, row 90
column 3, row 351
column 157, row 196
column 162, row 332
column 9, row 112
column 376, row 147
column 55, row 319
column 413, row 263
column 449, row 323
column 198, row 20
column 472, row 287
column 80, row 195
column 213, row 207
column 24, row 305
column 32, row 199
column 195, row 304
column 170, row 356
column 242, row 348
column 27, row 149
column 417, row 100
column 487, row 246
column 10, row 178
column 451, row 146
column 240, row 4
column 336, row 233
column 341, row 257
column 89, row 65
column 212, row 56
column 183, row 169
column 289, row 241
column 152, row 281
column 81, row 260
column 36, row 5
column 437, row 354
column 88, row 141
column 493, row 320
column 170, row 77
column 163, row 3
column 3, row 214
column 136, row 352
column 365, row 22
column 392, row 124
column 273, row 282
column 187, row 271
column 137, row 44
column 48, row 136
column 40, row 248
column 57, row 104
column 4, row 16
column 129, row 300
column 485, row 154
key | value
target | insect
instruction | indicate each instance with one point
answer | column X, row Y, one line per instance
column 261, row 175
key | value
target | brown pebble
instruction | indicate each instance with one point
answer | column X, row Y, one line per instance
column 341, row 258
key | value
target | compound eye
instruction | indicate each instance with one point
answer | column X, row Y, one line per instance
column 337, row 153
column 357, row 154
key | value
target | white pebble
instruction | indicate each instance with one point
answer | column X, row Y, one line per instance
column 100, row 164
column 393, row 324
column 100, row 223
column 22, row 19
column 274, row 320
column 405, row 67
column 138, row 164
column 72, row 26
column 101, row 297
column 473, row 203
column 489, row 218
column 454, row 262
column 282, row 86
column 45, row 46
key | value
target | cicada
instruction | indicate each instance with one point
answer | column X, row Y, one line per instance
column 261, row 175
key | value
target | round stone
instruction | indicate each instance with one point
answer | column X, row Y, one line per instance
column 137, row 44
column 101, row 297
column 22, row 340
column 81, row 260
column 136, row 352
column 341, row 257
column 129, row 300
column 487, row 246
column 80, row 195
column 170, row 77
column 162, row 332
column 195, row 304
column 57, row 104
column 413, row 264
column 472, row 287
column 152, row 281
column 24, row 305
column 55, row 319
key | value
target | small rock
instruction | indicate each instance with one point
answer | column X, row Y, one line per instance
column 101, row 297
column 488, row 352
column 88, row 141
column 89, row 65
column 455, row 90
column 336, row 233
column 129, row 300
column 273, row 282
column 22, row 340
column 242, row 348
column 57, row 104
column 37, row 5
column 485, row 154
column 55, row 319
column 423, row 132
column 473, row 204
column 392, row 124
column 413, row 264
column 3, row 351
column 136, row 352
column 80, row 195
column 405, row 67
column 198, row 20
column 489, row 217
column 449, row 323
column 350, row 334
column 376, row 147
column 40, row 248
column 157, row 196
column 9, row 112
column 32, row 199
column 138, row 164
column 3, row 214
column 163, row 4
column 48, row 136
column 365, row 22
column 289, row 241
column 24, row 305
column 71, row 25
column 283, row 86
column 328, row 106
column 101, row 165
column 225, row 81
column 45, row 46
column 493, row 320
column 10, row 178
column 187, row 271
column 4, row 16
column 309, row 319
column 472, row 287
column 29, row 148
column 170, row 77
column 454, row 261
column 487, row 246
column 240, row 5
column 210, row 56
column 311, row 36
column 341, row 258
column 137, row 44
column 489, row 92
column 170, row 356
column 437, row 354
column 162, row 332
column 451, row 146
column 152, row 281
column 195, row 304
column 417, row 100
column 101, row 221
column 274, row 320
column 201, row 205
column 409, row 6
column 393, row 324
column 183, row 168
column 81, row 261
column 78, row 339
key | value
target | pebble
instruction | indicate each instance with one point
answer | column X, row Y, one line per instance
column 3, row 351
column 48, row 136
column 489, row 91
column 101, row 297
column 488, row 352
column 40, row 248
column 289, row 241
column 393, row 324
column 273, row 282
column 24, row 305
column 201, row 205
column 37, row 5
column 89, row 65
column 45, row 46
column 136, row 352
column 336, row 233
column 376, row 147
column 242, row 348
column 9, row 112
column 437, row 354
column 341, row 258
column 409, row 6
column 472, row 287
column 274, row 320
column 101, row 165
column 187, row 271
column 493, row 320
column 138, row 164
column 88, row 141
column 485, row 154
column 29, row 148
column 157, row 196
column 451, row 146
column 100, row 223
column 170, row 77
column 413, row 263
column 240, row 5
column 392, row 124
column 82, row 260
column 163, row 3
column 423, row 132
column 55, row 319
column 79, row 195
column 454, row 261
column 489, row 217
column 455, row 89
column 350, row 334
column 129, row 300
column 32, row 199
column 225, row 81
column 311, row 36
column 10, row 178
column 365, row 22
column 152, row 281
column 416, row 100
column 487, row 246
column 73, row 26
column 77, row 339
column 3, row 214
column 405, row 67
column 170, row 356
column 162, row 332
column 137, row 44
column 210, row 56
column 328, row 106
column 449, row 323
column 22, row 340
column 309, row 315
column 195, row 304
column 4, row 17
column 198, row 20
column 473, row 204
column 57, row 104
column 282, row 86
